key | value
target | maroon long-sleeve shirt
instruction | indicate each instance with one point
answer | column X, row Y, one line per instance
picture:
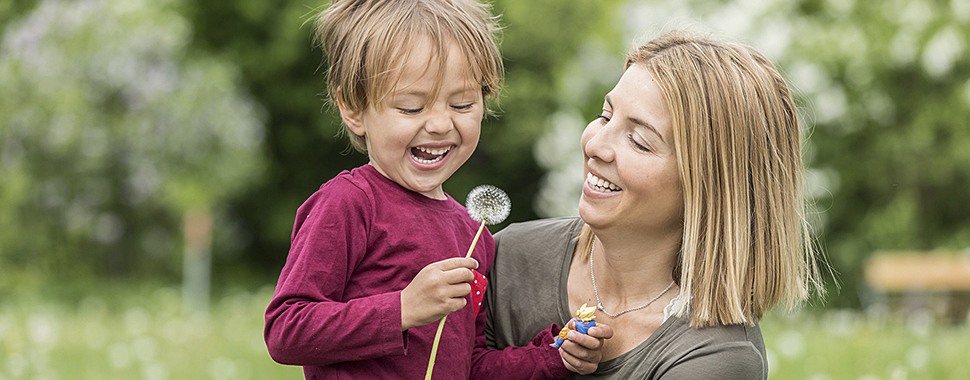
column 356, row 243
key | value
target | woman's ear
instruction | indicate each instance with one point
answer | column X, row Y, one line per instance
column 352, row 118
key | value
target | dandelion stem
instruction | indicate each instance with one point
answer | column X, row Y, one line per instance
column 441, row 325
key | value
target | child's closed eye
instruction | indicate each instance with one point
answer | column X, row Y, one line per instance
column 410, row 111
column 463, row 107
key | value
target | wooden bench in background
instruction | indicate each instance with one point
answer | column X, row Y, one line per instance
column 922, row 279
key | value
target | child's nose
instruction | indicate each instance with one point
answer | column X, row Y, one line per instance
column 439, row 122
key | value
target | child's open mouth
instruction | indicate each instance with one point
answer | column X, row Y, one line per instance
column 429, row 155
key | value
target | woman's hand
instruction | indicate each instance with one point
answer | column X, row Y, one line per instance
column 582, row 353
column 436, row 291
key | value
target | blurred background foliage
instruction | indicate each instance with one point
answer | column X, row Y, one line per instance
column 119, row 117
column 123, row 123
column 112, row 129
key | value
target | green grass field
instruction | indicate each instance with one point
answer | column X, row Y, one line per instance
column 144, row 335
column 844, row 345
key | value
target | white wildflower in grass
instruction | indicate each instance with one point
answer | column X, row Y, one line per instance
column 898, row 373
column 917, row 357
column 920, row 322
column 144, row 348
column 223, row 368
column 42, row 329
column 94, row 333
column 137, row 321
column 16, row 365
column 841, row 322
column 173, row 332
column 790, row 344
column 118, row 356
column 154, row 371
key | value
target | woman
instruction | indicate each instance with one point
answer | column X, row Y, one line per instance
column 692, row 222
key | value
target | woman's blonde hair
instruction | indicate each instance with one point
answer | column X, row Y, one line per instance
column 747, row 245
column 364, row 41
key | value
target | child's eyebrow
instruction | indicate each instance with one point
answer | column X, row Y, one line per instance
column 469, row 89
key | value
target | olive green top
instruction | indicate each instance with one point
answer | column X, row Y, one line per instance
column 527, row 292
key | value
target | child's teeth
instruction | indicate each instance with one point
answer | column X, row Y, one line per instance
column 436, row 152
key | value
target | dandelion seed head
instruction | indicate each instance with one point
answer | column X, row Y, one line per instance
column 489, row 204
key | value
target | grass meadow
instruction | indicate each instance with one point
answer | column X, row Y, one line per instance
column 143, row 334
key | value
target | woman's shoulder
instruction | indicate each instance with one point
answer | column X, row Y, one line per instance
column 538, row 244
column 727, row 351
column 730, row 334
column 550, row 228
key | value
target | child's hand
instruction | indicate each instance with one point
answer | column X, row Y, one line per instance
column 438, row 290
column 582, row 353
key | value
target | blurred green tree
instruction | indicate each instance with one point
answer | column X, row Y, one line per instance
column 110, row 131
column 887, row 85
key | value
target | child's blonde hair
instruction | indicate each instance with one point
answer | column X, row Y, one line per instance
column 364, row 41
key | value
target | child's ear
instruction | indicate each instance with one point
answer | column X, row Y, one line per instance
column 352, row 118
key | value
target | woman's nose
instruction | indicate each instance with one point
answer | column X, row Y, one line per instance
column 597, row 142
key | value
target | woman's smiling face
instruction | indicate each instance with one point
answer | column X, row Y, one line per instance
column 632, row 180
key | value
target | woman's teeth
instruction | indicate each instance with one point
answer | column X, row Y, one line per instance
column 601, row 184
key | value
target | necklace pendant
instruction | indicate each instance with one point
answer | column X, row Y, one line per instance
column 600, row 306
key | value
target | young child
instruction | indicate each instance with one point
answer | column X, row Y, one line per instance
column 377, row 253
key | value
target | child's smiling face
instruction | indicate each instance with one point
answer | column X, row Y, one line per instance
column 419, row 137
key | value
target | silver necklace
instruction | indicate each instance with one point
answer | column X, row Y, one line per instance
column 599, row 304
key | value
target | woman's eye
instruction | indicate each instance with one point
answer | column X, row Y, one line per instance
column 604, row 117
column 463, row 107
column 636, row 144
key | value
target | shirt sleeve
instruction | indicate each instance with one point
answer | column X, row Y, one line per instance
column 307, row 321
column 729, row 361
column 534, row 361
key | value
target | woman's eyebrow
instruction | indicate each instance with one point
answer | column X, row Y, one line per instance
column 638, row 121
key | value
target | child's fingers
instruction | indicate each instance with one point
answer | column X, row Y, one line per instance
column 460, row 290
column 457, row 262
column 458, row 303
column 457, row 276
